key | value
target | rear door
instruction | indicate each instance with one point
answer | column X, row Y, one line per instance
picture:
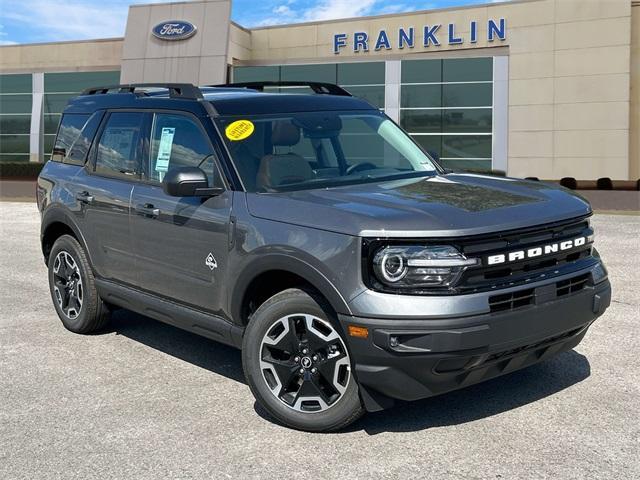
column 181, row 243
column 103, row 191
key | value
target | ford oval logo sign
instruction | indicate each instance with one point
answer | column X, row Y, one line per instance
column 174, row 30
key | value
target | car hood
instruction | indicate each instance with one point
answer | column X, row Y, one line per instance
column 439, row 206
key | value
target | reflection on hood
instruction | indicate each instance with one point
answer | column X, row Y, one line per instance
column 472, row 198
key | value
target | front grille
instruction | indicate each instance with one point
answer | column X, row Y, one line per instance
column 524, row 298
column 485, row 277
column 572, row 285
column 510, row 301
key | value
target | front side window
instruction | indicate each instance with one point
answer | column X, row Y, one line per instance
column 178, row 141
column 119, row 150
column 295, row 151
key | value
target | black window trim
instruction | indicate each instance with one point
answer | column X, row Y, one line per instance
column 90, row 165
column 198, row 122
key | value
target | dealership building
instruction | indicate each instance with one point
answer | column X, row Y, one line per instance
column 544, row 88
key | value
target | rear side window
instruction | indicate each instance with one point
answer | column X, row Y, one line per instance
column 77, row 154
column 119, row 150
column 177, row 141
column 68, row 132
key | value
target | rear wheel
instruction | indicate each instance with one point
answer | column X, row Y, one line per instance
column 297, row 363
column 72, row 287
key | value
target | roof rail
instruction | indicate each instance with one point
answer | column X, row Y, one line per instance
column 319, row 88
column 176, row 90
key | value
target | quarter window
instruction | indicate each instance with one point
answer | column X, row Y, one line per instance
column 68, row 132
column 120, row 145
column 178, row 141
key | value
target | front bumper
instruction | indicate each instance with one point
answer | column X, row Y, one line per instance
column 412, row 359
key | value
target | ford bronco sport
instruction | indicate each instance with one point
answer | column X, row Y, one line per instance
column 310, row 231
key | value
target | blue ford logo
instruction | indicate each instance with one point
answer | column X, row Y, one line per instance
column 174, row 30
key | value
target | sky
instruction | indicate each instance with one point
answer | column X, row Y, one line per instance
column 32, row 21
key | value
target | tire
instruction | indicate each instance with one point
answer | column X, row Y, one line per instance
column 73, row 288
column 297, row 364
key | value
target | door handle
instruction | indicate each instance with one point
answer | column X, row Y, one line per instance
column 148, row 210
column 84, row 197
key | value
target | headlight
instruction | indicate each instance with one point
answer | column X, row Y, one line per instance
column 419, row 266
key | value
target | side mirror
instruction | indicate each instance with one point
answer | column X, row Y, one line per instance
column 188, row 182
column 434, row 155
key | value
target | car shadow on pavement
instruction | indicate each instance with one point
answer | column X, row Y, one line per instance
column 483, row 400
column 189, row 347
column 472, row 403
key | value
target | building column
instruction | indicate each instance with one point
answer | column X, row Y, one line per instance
column 36, row 136
column 500, row 129
column 392, row 80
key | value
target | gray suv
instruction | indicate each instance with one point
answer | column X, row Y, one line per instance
column 313, row 233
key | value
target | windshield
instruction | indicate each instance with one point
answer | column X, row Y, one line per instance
column 296, row 151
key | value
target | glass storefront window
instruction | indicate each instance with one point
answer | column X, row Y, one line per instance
column 421, row 121
column 15, row 117
column 422, row 71
column 467, row 120
column 467, row 69
column 362, row 79
column 14, row 144
column 467, row 95
column 466, row 146
column 75, row 82
column 447, row 106
column 361, row 73
column 474, row 164
column 15, row 83
column 15, row 124
column 253, row 74
column 13, row 157
column 421, row 96
column 51, row 122
column 16, row 106
column 319, row 73
column 49, row 141
column 15, row 103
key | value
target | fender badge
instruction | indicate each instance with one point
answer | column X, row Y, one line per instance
column 210, row 262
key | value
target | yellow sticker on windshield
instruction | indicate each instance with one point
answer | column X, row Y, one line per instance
column 239, row 130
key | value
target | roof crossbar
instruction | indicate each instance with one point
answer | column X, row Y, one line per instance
column 176, row 90
column 319, row 88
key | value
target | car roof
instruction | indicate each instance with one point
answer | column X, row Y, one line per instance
column 225, row 101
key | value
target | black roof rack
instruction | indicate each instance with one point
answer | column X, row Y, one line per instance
column 319, row 88
column 176, row 90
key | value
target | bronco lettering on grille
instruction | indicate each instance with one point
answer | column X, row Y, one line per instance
column 535, row 251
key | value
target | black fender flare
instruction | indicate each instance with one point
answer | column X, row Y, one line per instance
column 57, row 214
column 288, row 263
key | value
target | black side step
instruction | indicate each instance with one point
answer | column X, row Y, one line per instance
column 192, row 320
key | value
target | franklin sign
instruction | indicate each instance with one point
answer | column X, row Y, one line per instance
column 174, row 30
column 426, row 37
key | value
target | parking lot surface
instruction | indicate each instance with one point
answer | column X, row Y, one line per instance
column 146, row 400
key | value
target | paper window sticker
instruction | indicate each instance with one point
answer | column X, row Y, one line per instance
column 164, row 149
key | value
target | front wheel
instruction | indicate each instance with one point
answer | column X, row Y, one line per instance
column 297, row 363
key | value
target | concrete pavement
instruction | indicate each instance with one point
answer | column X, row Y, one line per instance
column 146, row 400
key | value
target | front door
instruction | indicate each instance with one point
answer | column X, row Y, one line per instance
column 181, row 243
